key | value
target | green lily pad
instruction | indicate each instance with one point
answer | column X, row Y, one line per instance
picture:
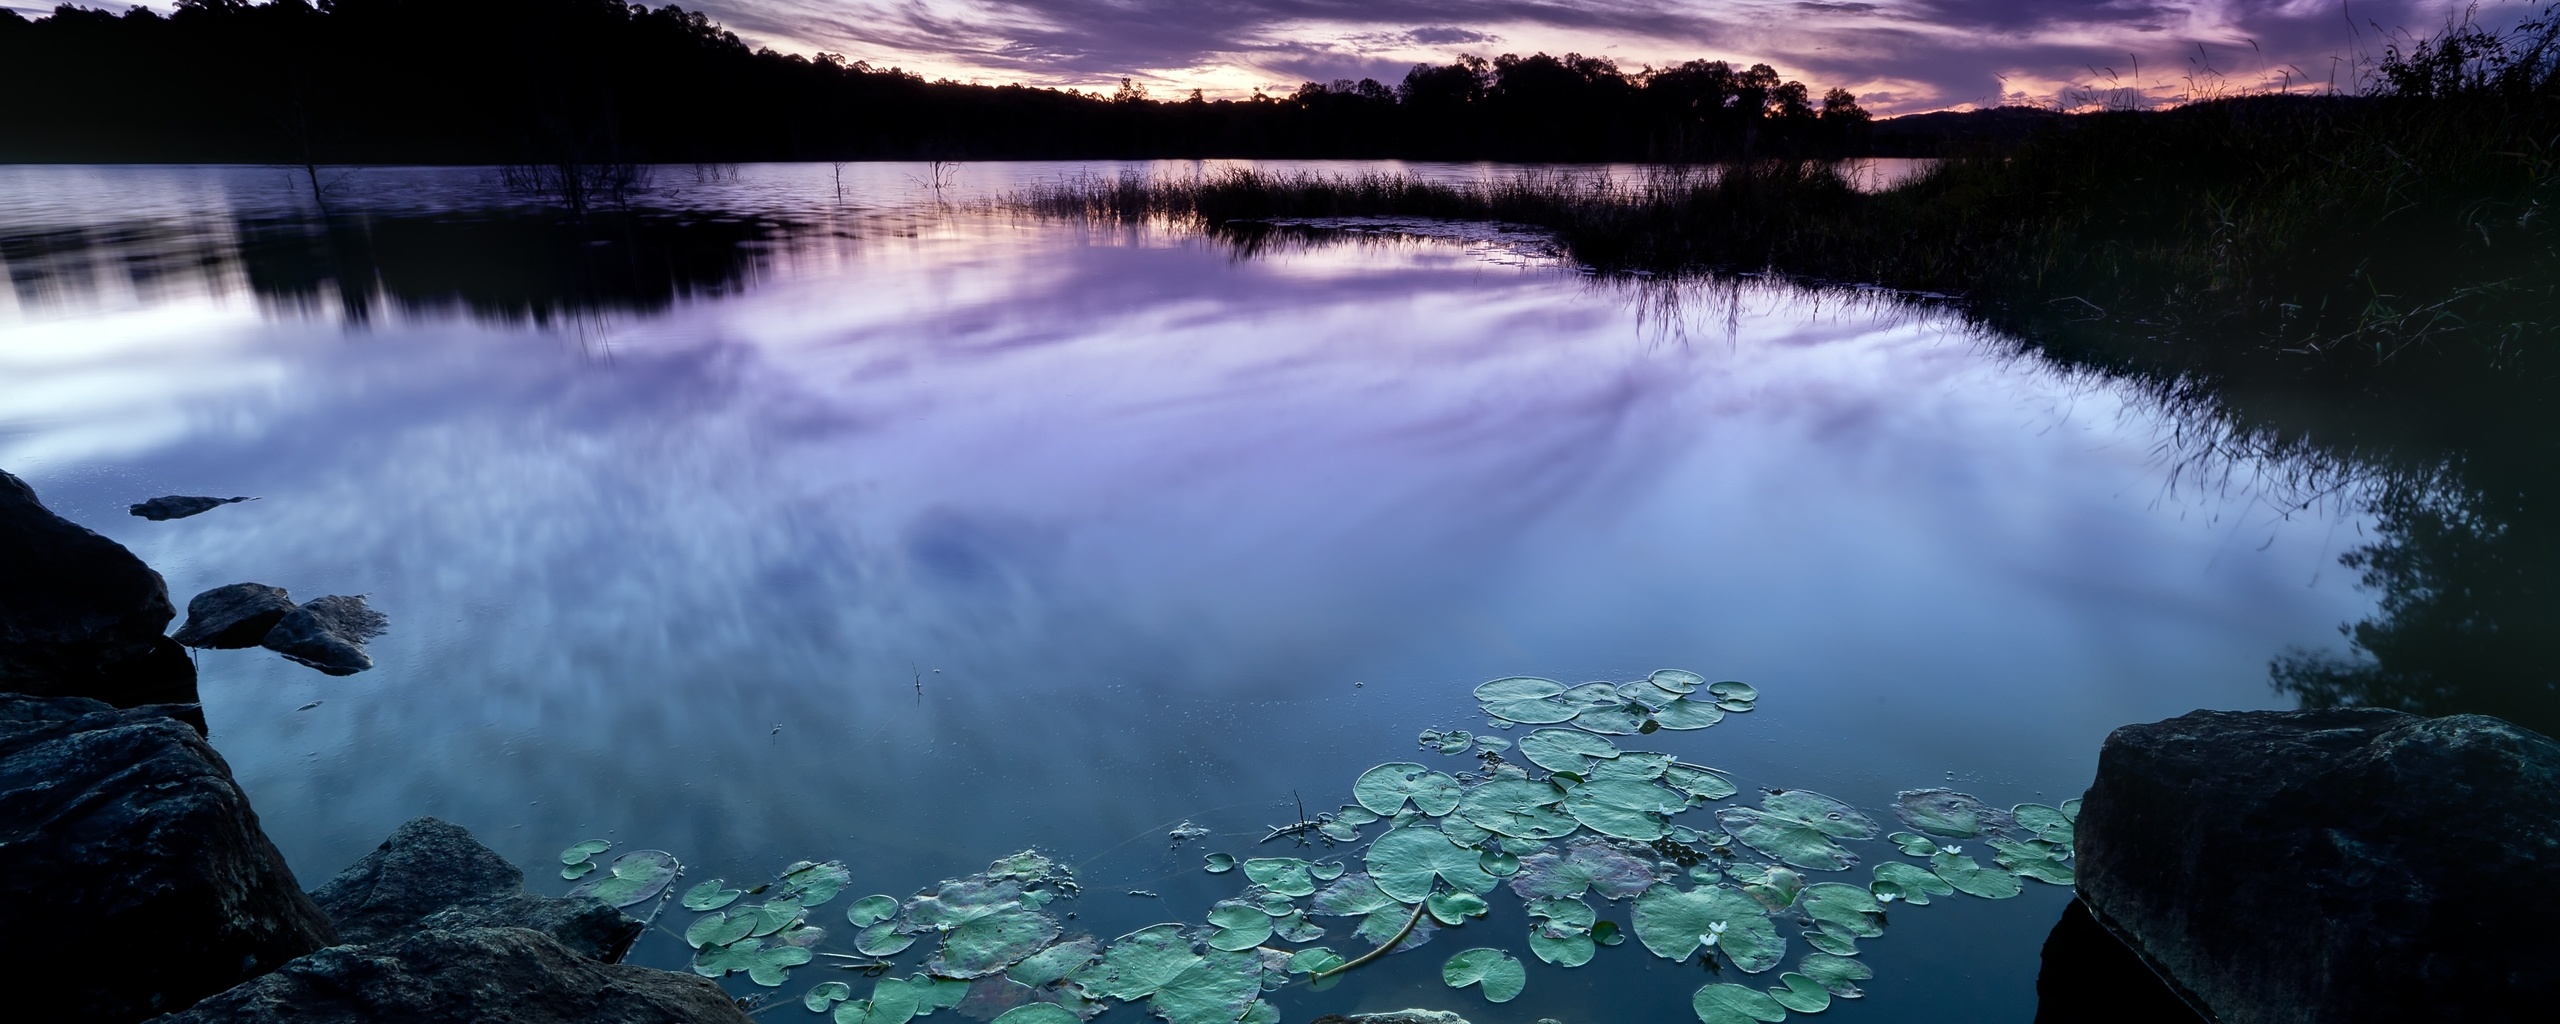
column 1798, row 826
column 1775, row 887
column 1625, row 809
column 1676, row 680
column 1454, row 908
column 2046, row 823
column 934, row 993
column 766, row 964
column 1452, row 742
column 1674, row 924
column 772, row 916
column 584, row 850
column 1607, row 933
column 1463, row 832
column 827, row 994
column 1843, row 909
column 1587, row 865
column 1353, row 895
column 1296, row 926
column 1217, row 988
column 710, row 896
column 1496, row 971
column 871, row 910
column 578, row 870
column 882, row 939
column 1518, row 808
column 2071, row 809
column 1945, row 812
column 1913, row 844
column 809, row 883
column 1836, row 974
column 1054, row 963
column 1218, row 863
column 1526, row 699
column 2035, row 859
column 1314, row 960
column 1354, row 814
column 1287, row 876
column 1728, row 1003
column 1627, row 719
column 1699, row 783
column 1380, row 927
column 1404, row 862
column 1632, row 766
column 1560, row 931
column 1241, row 926
column 1972, row 879
column 1385, row 788
column 1037, row 1013
column 719, row 929
column 1682, row 714
column 1492, row 743
column 1325, row 870
column 1735, row 706
column 1565, row 750
column 1499, row 863
column 892, row 1002
column 1801, row 994
column 1133, row 966
column 985, row 945
column 635, row 877
column 1733, row 690
column 1905, row 881
column 1831, row 942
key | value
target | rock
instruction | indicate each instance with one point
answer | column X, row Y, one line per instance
column 2339, row 865
column 232, row 617
column 80, row 616
column 133, row 873
column 2089, row 976
column 328, row 634
column 433, row 874
column 1393, row 1017
column 470, row 976
column 178, row 506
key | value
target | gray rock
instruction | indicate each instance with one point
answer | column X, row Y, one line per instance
column 178, row 506
column 2341, row 866
column 80, row 616
column 432, row 874
column 133, row 874
column 471, row 976
column 232, row 617
column 328, row 634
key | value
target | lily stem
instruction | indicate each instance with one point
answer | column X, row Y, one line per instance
column 1383, row 949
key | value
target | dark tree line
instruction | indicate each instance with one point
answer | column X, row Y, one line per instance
column 595, row 81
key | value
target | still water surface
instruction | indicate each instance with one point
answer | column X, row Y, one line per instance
column 890, row 529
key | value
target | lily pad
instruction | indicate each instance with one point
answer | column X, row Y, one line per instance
column 710, row 896
column 1625, row 809
column 1632, row 766
column 1913, row 844
column 719, row 929
column 1907, row 882
column 985, row 945
column 1607, row 933
column 1775, row 887
column 1287, row 876
column 827, row 994
column 1971, row 878
column 1499, row 863
column 1296, row 927
column 1728, row 1003
column 1626, row 719
column 809, row 883
column 635, row 877
column 1136, row 964
column 892, row 1002
column 1353, row 895
column 1527, row 700
column 1037, row 1013
column 1836, row 974
column 578, row 870
column 1518, row 808
column 584, row 850
column 1314, row 960
column 1801, row 994
column 1385, row 788
column 2071, row 809
column 1463, row 832
column 882, row 939
column 2046, row 823
column 1587, row 865
column 1218, row 863
column 1682, row 714
column 1501, row 976
column 2035, row 859
column 1699, row 783
column 1945, row 812
column 1676, row 680
column 1241, row 926
column 1674, row 924
column 766, row 964
column 1454, row 908
column 1565, row 750
column 871, row 910
column 1217, row 988
column 1797, row 827
column 1054, row 963
column 1843, row 909
column 1405, row 861
column 1733, row 690
column 1831, row 942
column 1560, row 931
column 1735, row 706
column 1325, row 870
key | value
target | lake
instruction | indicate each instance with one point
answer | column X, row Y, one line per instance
column 819, row 513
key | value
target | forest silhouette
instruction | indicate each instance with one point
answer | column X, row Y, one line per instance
column 595, row 82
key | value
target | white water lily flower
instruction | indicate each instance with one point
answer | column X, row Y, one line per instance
column 1714, row 931
column 1943, row 848
column 1886, row 897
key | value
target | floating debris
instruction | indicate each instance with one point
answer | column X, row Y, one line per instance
column 178, row 506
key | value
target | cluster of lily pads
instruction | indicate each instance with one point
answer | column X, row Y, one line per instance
column 1561, row 816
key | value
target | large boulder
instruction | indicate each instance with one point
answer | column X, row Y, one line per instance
column 133, row 873
column 2339, row 866
column 432, row 874
column 233, row 617
column 80, row 616
column 466, row 976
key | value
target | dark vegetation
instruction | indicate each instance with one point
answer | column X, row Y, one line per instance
column 2365, row 287
column 588, row 87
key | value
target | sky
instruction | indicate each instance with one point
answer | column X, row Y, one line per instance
column 1899, row 56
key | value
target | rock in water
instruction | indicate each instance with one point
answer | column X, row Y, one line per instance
column 79, row 615
column 2340, row 866
column 133, row 873
column 433, row 874
column 178, row 506
column 1394, row 1017
column 328, row 634
column 232, row 617
column 470, row 976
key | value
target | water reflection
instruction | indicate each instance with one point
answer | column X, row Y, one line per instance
column 951, row 533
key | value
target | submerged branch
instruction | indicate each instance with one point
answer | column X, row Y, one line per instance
column 1388, row 947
